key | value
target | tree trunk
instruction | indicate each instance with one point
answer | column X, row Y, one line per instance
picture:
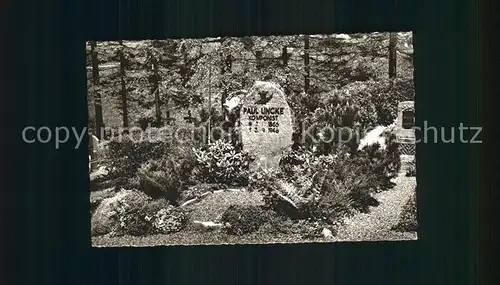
column 229, row 63
column 209, row 132
column 99, row 123
column 156, row 90
column 258, row 56
column 227, row 67
column 124, row 87
column 307, row 71
column 184, row 70
column 392, row 54
column 284, row 56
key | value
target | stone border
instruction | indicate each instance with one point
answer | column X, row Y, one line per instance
column 205, row 194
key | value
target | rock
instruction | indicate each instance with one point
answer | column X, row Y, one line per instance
column 327, row 233
column 97, row 197
column 189, row 202
column 266, row 124
column 207, row 225
column 105, row 218
column 100, row 181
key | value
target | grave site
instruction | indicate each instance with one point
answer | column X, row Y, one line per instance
column 252, row 140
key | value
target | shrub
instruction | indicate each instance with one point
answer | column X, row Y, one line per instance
column 97, row 197
column 321, row 202
column 161, row 178
column 142, row 217
column 165, row 218
column 299, row 166
column 138, row 151
column 129, row 212
column 411, row 171
column 270, row 183
column 342, row 190
column 380, row 165
column 274, row 223
column 110, row 212
column 240, row 220
column 388, row 95
column 330, row 186
column 377, row 101
column 220, row 163
column 125, row 156
column 336, row 112
column 186, row 161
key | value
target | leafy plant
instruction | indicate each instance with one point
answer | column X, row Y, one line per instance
column 140, row 217
column 125, row 156
column 161, row 178
column 388, row 97
column 332, row 123
column 380, row 164
column 240, row 220
column 165, row 218
column 333, row 186
column 130, row 215
column 411, row 171
column 221, row 163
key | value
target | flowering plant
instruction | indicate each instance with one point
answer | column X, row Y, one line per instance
column 221, row 163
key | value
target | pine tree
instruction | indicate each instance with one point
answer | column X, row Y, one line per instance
column 392, row 54
column 99, row 124
column 156, row 88
column 123, row 86
column 307, row 69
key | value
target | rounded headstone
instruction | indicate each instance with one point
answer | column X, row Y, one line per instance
column 95, row 143
column 266, row 124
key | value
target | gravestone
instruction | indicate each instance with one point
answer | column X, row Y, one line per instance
column 405, row 123
column 95, row 144
column 189, row 118
column 265, row 124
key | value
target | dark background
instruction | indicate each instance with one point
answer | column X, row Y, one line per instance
column 47, row 240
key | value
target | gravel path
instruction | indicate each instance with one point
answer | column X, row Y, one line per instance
column 376, row 225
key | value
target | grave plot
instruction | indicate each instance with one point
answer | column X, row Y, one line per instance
column 251, row 140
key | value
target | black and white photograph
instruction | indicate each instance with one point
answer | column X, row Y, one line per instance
column 252, row 140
